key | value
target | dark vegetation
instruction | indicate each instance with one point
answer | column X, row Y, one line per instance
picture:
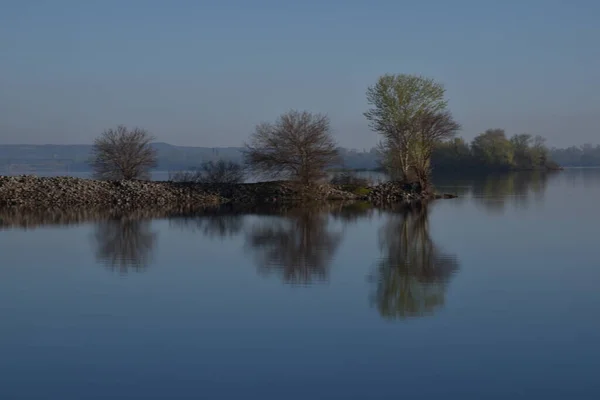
column 211, row 172
column 492, row 150
column 350, row 182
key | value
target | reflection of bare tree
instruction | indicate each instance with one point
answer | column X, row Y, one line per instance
column 411, row 277
column 298, row 246
column 215, row 225
column 124, row 243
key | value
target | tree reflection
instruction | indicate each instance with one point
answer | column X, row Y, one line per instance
column 411, row 277
column 124, row 244
column 495, row 191
column 351, row 212
column 220, row 226
column 298, row 246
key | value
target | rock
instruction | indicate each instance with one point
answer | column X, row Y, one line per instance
column 397, row 192
column 65, row 192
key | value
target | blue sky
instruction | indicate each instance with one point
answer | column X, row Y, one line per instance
column 204, row 73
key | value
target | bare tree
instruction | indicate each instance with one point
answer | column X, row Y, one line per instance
column 298, row 144
column 212, row 172
column 121, row 154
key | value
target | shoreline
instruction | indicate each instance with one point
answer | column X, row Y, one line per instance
column 32, row 192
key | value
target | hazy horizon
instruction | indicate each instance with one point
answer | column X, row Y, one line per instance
column 200, row 74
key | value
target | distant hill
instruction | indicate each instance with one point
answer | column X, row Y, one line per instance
column 17, row 158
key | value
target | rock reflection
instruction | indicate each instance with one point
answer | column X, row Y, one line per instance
column 412, row 276
column 124, row 244
column 298, row 246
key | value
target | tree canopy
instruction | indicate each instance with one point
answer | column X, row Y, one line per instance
column 410, row 113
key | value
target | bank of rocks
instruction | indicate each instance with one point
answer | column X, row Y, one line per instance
column 65, row 192
column 397, row 192
column 62, row 192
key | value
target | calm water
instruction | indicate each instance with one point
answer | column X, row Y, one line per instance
column 490, row 296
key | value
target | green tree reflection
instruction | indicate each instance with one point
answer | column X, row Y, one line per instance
column 412, row 275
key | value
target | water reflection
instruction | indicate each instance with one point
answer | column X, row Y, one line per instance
column 124, row 244
column 412, row 275
column 352, row 212
column 298, row 247
column 215, row 225
column 495, row 191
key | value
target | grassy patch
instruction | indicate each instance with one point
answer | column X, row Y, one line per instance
column 356, row 189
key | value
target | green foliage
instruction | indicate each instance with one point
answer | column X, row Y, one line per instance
column 357, row 190
column 492, row 150
column 349, row 182
column 362, row 191
column 396, row 99
column 409, row 112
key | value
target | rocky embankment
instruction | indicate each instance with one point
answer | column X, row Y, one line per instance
column 67, row 192
column 63, row 192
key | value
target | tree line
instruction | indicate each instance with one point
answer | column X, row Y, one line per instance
column 492, row 150
column 582, row 156
column 408, row 112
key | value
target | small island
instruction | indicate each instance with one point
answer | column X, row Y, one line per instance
column 294, row 155
column 31, row 192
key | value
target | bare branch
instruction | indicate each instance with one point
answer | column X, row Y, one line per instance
column 212, row 172
column 120, row 154
column 298, row 144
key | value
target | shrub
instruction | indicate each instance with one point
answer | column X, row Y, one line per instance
column 211, row 172
column 348, row 178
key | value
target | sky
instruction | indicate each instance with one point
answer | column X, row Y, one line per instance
column 204, row 73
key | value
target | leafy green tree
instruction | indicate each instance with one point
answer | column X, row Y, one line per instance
column 409, row 112
column 451, row 155
column 493, row 149
column 521, row 150
column 539, row 151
